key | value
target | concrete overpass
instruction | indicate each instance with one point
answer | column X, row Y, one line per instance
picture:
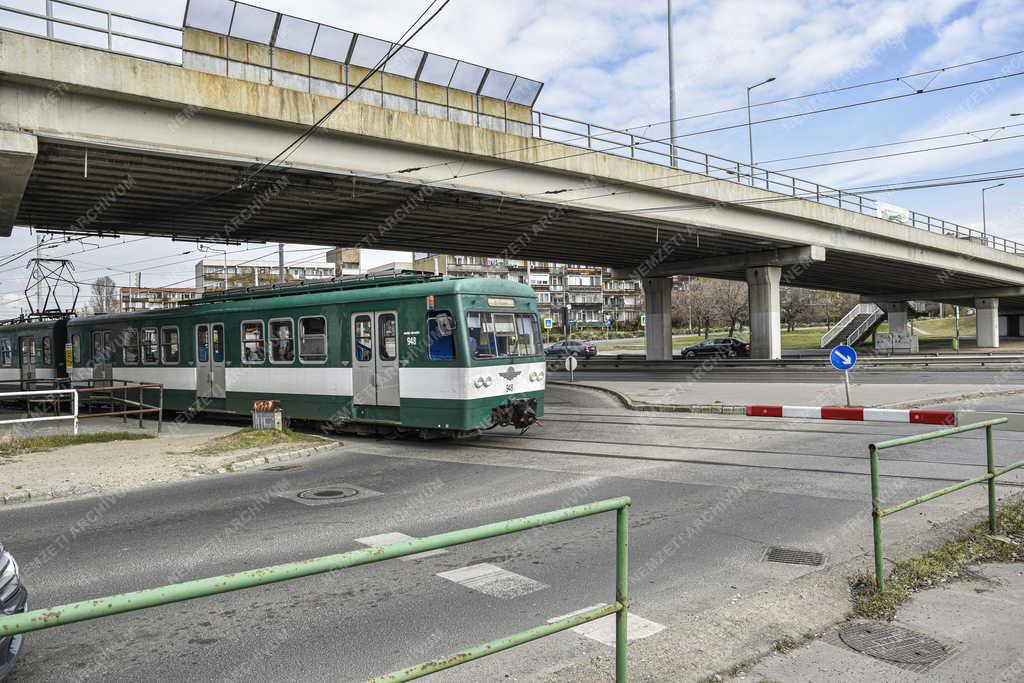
column 101, row 142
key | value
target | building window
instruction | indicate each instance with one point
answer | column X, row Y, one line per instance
column 387, row 329
column 170, row 351
column 253, row 349
column 130, row 340
column 440, row 335
column 47, row 351
column 149, row 346
column 313, row 339
column 282, row 350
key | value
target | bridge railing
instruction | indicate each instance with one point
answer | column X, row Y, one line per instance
column 628, row 143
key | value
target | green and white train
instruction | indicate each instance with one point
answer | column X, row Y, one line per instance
column 425, row 354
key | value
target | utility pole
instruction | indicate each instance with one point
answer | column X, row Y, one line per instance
column 280, row 262
column 39, row 284
column 671, row 92
column 750, row 125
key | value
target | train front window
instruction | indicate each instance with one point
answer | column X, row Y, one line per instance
column 502, row 335
column 441, row 335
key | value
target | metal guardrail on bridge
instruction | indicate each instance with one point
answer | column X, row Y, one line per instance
column 49, row 617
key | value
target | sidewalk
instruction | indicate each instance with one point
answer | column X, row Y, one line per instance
column 962, row 631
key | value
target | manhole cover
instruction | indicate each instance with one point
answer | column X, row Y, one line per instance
column 329, row 493
column 794, row 556
column 282, row 468
column 892, row 643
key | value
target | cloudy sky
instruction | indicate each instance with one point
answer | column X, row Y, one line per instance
column 606, row 61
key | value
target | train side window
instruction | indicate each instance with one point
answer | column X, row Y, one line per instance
column 440, row 335
column 6, row 357
column 150, row 346
column 47, row 351
column 388, row 333
column 217, row 335
column 170, row 349
column 364, row 338
column 254, row 351
column 129, row 346
column 282, row 332
column 313, row 339
column 76, row 349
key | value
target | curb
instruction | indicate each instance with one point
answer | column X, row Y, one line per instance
column 277, row 457
column 22, row 496
column 629, row 403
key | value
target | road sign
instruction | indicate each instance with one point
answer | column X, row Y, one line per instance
column 571, row 363
column 643, row 320
column 607, row 323
column 548, row 323
column 843, row 357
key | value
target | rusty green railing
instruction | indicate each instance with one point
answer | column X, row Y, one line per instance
column 878, row 512
column 49, row 617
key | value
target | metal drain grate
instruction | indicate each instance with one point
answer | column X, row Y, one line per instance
column 894, row 644
column 329, row 493
column 282, row 468
column 794, row 556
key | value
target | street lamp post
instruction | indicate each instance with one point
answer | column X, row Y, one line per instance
column 750, row 126
column 984, row 224
column 671, row 92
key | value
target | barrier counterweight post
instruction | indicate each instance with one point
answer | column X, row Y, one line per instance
column 990, row 459
column 876, row 517
column 622, row 594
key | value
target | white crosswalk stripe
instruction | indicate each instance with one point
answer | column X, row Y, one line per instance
column 397, row 537
column 493, row 580
column 603, row 630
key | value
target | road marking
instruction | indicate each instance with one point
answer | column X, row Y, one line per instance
column 603, row 630
column 397, row 537
column 493, row 580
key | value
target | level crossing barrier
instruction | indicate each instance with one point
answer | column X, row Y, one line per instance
column 878, row 512
column 49, row 617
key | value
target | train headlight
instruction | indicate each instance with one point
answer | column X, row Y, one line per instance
column 488, row 381
column 479, row 383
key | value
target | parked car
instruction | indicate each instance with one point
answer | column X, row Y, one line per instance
column 721, row 347
column 13, row 599
column 571, row 347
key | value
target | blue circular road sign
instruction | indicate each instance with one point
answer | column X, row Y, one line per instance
column 843, row 357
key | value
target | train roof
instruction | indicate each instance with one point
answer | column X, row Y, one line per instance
column 29, row 324
column 328, row 292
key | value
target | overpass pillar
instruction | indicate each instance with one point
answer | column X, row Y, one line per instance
column 658, row 303
column 987, row 310
column 17, row 157
column 898, row 316
column 765, row 311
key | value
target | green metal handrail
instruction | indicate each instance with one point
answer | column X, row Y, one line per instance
column 49, row 617
column 878, row 512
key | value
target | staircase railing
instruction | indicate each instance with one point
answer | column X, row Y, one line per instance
column 845, row 322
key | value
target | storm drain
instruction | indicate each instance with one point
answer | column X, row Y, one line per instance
column 894, row 644
column 794, row 556
column 282, row 468
column 335, row 493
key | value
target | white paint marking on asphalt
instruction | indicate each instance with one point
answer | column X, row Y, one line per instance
column 493, row 580
column 603, row 630
column 397, row 537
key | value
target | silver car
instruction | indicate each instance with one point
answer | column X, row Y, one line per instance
column 13, row 599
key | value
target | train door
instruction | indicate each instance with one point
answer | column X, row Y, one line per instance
column 375, row 363
column 210, row 360
column 28, row 358
column 102, row 350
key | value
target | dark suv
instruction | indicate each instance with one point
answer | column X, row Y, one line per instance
column 13, row 599
column 728, row 347
column 572, row 347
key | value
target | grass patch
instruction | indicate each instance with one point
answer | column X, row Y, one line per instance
column 942, row 565
column 15, row 445
column 251, row 439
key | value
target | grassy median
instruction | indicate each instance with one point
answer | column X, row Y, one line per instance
column 16, row 445
column 942, row 565
column 254, row 439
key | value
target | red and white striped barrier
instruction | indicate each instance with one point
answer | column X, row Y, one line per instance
column 924, row 417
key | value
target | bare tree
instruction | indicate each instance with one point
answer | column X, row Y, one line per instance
column 795, row 306
column 104, row 295
column 730, row 302
column 693, row 301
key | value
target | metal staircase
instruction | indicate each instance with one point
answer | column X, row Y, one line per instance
column 854, row 327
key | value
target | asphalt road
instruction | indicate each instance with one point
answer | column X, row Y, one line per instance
column 1007, row 375
column 781, row 482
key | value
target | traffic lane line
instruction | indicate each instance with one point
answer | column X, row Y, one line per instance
column 390, row 537
column 493, row 580
column 603, row 630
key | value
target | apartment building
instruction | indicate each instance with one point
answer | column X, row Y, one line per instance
column 133, row 299
column 214, row 274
